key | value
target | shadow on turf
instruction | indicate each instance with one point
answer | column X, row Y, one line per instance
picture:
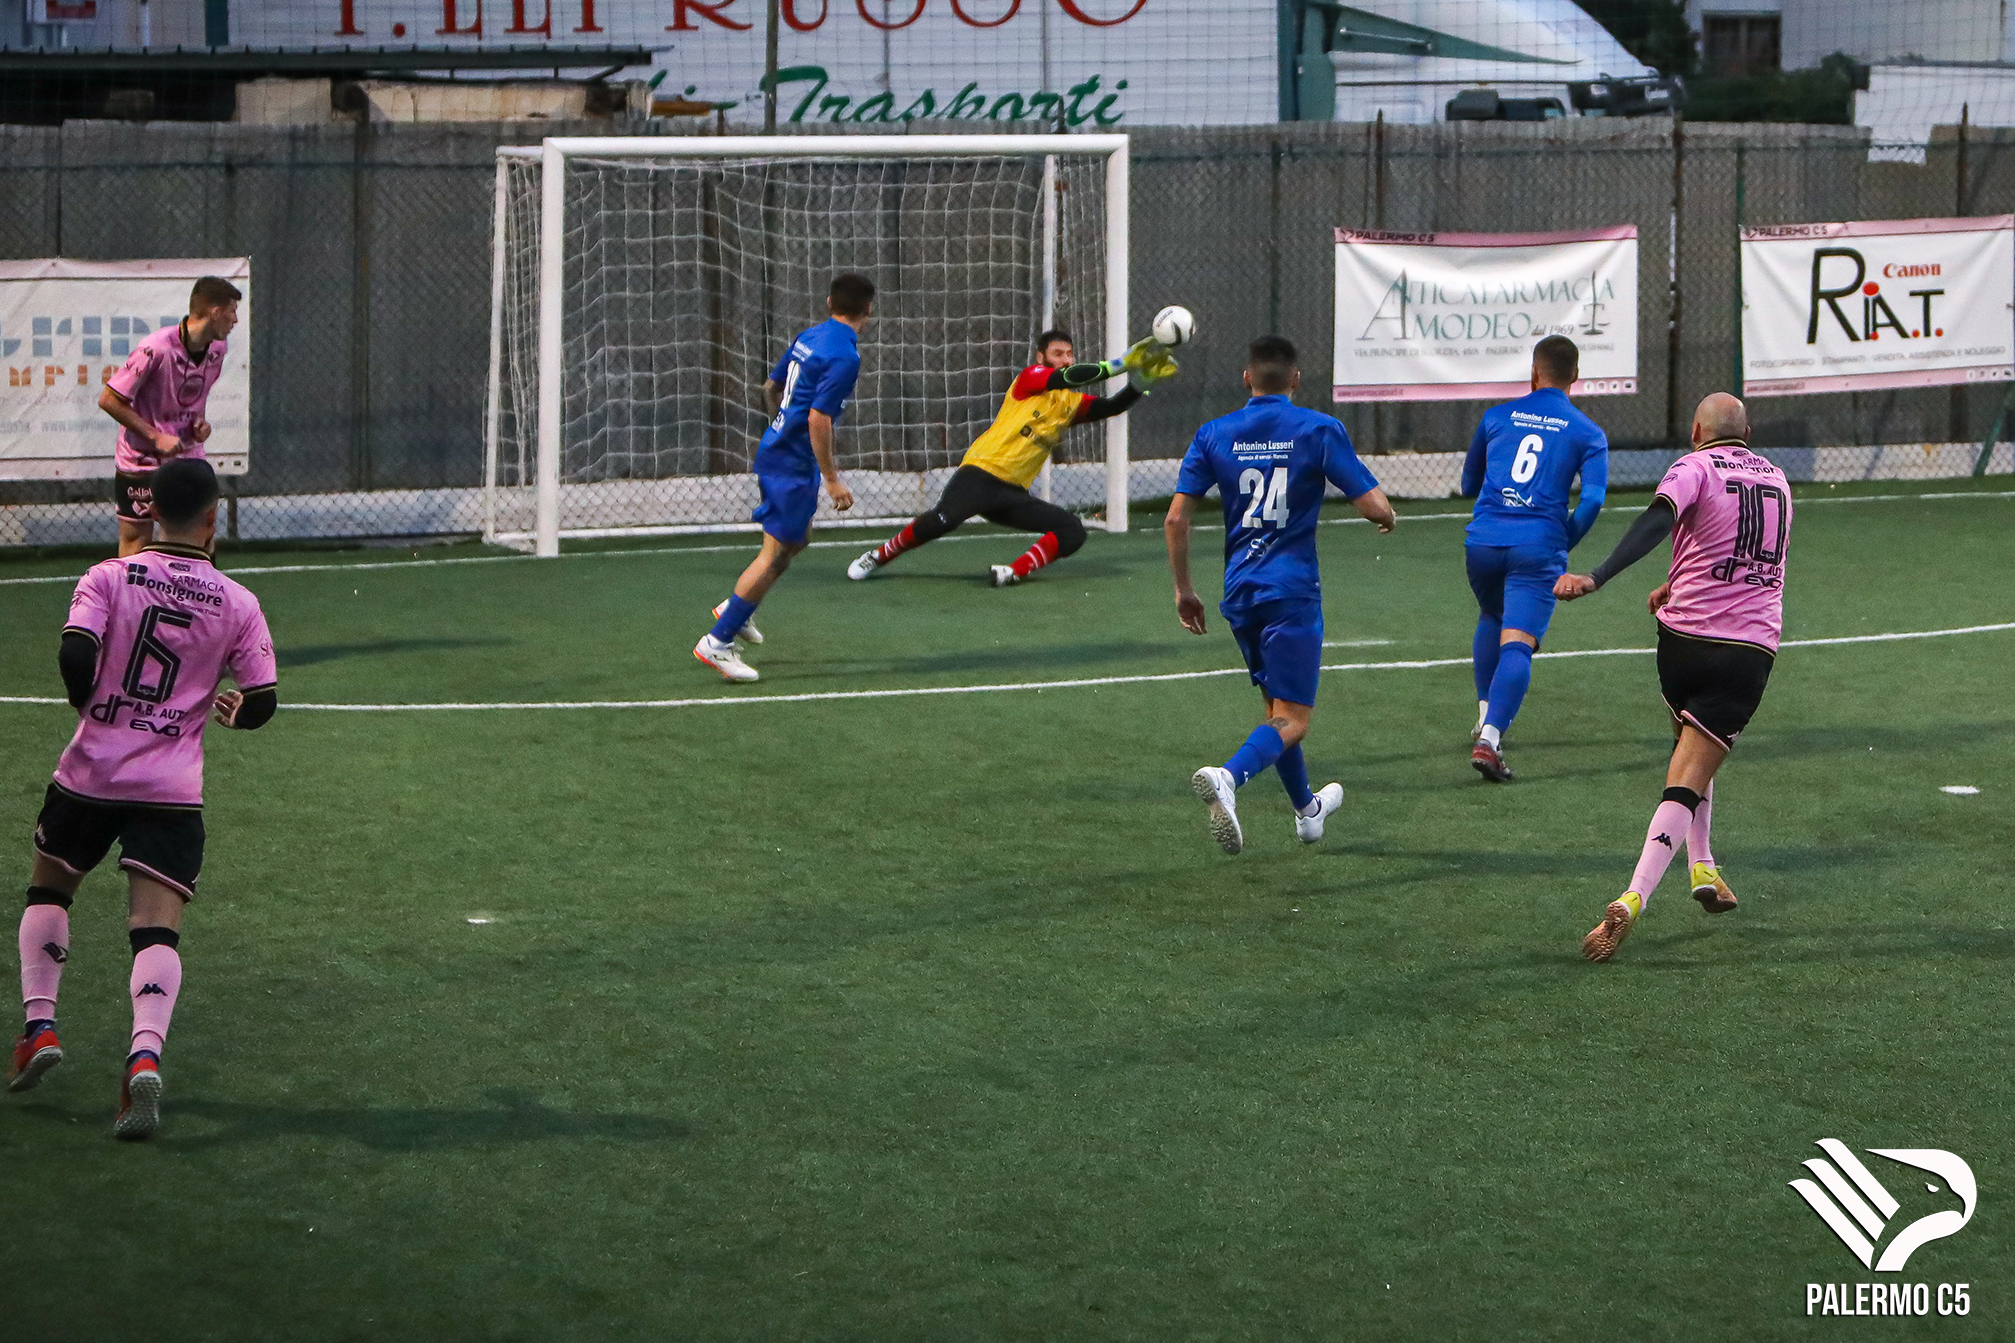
column 514, row 1117
column 315, row 654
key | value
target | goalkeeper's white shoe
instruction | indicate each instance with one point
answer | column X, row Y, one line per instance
column 863, row 567
column 725, row 659
column 748, row 633
column 1308, row 829
column 1214, row 786
column 1004, row 576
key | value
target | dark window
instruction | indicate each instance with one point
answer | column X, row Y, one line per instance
column 1740, row 44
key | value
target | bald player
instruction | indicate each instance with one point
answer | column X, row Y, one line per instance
column 1720, row 614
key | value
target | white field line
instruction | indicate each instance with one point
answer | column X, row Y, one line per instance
column 913, row 691
column 743, row 547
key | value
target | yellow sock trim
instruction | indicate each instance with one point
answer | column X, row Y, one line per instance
column 1634, row 903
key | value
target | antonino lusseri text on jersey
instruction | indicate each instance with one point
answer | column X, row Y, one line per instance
column 168, row 390
column 1271, row 462
column 1733, row 530
column 1521, row 467
column 168, row 627
column 817, row 372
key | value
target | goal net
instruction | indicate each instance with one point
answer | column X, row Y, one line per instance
column 644, row 288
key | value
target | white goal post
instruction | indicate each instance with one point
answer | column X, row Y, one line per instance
column 642, row 287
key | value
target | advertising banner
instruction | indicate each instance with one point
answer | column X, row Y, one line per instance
column 67, row 326
column 1880, row 303
column 1088, row 64
column 1454, row 316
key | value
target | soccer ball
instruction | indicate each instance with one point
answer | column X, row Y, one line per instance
column 1174, row 325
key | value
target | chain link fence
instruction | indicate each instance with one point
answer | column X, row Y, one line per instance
column 370, row 249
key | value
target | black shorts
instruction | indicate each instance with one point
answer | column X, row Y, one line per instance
column 1714, row 686
column 165, row 843
column 976, row 492
column 133, row 495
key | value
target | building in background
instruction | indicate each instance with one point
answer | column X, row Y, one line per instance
column 1406, row 60
column 1929, row 62
column 1081, row 65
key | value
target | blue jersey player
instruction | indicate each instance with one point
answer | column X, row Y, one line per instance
column 1521, row 469
column 808, row 391
column 1269, row 464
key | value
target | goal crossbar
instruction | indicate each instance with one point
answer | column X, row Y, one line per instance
column 552, row 155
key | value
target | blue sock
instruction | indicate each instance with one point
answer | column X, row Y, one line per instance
column 1261, row 749
column 1483, row 653
column 1508, row 687
column 733, row 616
column 1293, row 773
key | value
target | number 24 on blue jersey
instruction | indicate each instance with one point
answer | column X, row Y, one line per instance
column 1269, row 497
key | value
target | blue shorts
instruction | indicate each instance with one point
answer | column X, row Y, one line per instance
column 1514, row 584
column 1282, row 644
column 787, row 507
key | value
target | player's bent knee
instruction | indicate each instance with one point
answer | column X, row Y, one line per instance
column 1069, row 535
column 1518, row 637
column 47, row 895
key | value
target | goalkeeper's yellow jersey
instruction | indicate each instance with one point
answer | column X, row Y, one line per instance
column 1026, row 430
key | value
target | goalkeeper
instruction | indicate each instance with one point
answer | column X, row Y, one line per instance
column 992, row 481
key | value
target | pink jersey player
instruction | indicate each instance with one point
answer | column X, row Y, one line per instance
column 157, row 398
column 1720, row 617
column 150, row 637
column 1733, row 511
column 168, row 626
column 168, row 388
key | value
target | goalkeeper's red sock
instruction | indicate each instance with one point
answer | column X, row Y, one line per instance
column 906, row 539
column 1037, row 555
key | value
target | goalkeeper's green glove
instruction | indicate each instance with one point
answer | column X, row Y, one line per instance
column 1158, row 368
column 1139, row 355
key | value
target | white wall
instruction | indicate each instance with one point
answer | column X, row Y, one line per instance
column 1892, row 30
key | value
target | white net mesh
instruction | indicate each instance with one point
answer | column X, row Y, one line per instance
column 686, row 278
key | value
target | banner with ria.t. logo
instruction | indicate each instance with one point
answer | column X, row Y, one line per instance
column 1880, row 303
column 1454, row 316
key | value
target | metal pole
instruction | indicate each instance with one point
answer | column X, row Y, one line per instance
column 1043, row 483
column 1956, row 403
column 770, row 70
column 493, row 397
column 1115, row 330
column 552, row 274
column 1741, row 190
column 1676, row 294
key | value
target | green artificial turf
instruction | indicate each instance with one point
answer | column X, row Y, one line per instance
column 941, row 1017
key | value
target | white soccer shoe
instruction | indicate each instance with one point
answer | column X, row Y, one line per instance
column 863, row 567
column 1213, row 784
column 1004, row 576
column 725, row 659
column 748, row 633
column 1308, row 829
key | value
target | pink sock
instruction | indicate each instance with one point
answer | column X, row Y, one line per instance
column 157, row 979
column 1698, row 850
column 1037, row 555
column 1661, row 841
column 45, row 945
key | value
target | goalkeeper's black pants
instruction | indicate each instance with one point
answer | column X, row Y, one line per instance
column 976, row 493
